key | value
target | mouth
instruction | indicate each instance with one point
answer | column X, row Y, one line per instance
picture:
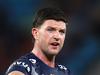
column 55, row 44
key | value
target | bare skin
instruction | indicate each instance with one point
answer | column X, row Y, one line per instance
column 51, row 31
column 16, row 73
column 49, row 39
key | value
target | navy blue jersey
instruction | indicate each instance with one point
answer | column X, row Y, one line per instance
column 32, row 65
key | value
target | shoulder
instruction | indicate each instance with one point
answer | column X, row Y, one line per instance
column 23, row 64
column 16, row 73
column 64, row 69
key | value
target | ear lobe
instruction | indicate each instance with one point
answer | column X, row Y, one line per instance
column 35, row 33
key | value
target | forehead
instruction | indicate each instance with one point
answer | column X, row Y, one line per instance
column 54, row 23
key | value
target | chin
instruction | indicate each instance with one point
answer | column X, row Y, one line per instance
column 53, row 53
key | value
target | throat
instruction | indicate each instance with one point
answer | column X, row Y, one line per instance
column 49, row 60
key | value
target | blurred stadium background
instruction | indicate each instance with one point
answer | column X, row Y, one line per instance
column 81, row 52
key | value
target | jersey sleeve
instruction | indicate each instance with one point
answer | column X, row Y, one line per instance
column 20, row 65
column 69, row 72
column 65, row 70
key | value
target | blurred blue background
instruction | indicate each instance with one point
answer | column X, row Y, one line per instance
column 81, row 52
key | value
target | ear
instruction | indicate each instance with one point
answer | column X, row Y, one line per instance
column 35, row 33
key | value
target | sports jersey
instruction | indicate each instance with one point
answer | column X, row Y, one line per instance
column 32, row 65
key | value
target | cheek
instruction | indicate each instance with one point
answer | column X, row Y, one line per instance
column 47, row 37
column 44, row 37
column 44, row 40
column 63, row 39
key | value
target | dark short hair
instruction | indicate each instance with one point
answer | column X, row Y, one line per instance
column 48, row 13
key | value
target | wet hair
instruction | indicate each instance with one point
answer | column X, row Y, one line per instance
column 48, row 13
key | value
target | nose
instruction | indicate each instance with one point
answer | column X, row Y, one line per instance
column 57, row 36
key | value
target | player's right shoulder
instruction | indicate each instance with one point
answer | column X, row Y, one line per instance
column 24, row 64
column 16, row 73
column 21, row 66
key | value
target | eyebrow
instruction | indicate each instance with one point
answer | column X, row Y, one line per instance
column 51, row 27
column 55, row 28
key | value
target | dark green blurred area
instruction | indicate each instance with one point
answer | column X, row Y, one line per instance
column 81, row 52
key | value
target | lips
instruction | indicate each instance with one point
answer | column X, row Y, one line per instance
column 55, row 44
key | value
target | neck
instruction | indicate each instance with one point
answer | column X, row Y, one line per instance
column 47, row 59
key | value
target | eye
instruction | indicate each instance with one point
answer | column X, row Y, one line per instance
column 50, row 29
column 62, row 31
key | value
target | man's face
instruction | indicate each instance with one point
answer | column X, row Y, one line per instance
column 51, row 36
